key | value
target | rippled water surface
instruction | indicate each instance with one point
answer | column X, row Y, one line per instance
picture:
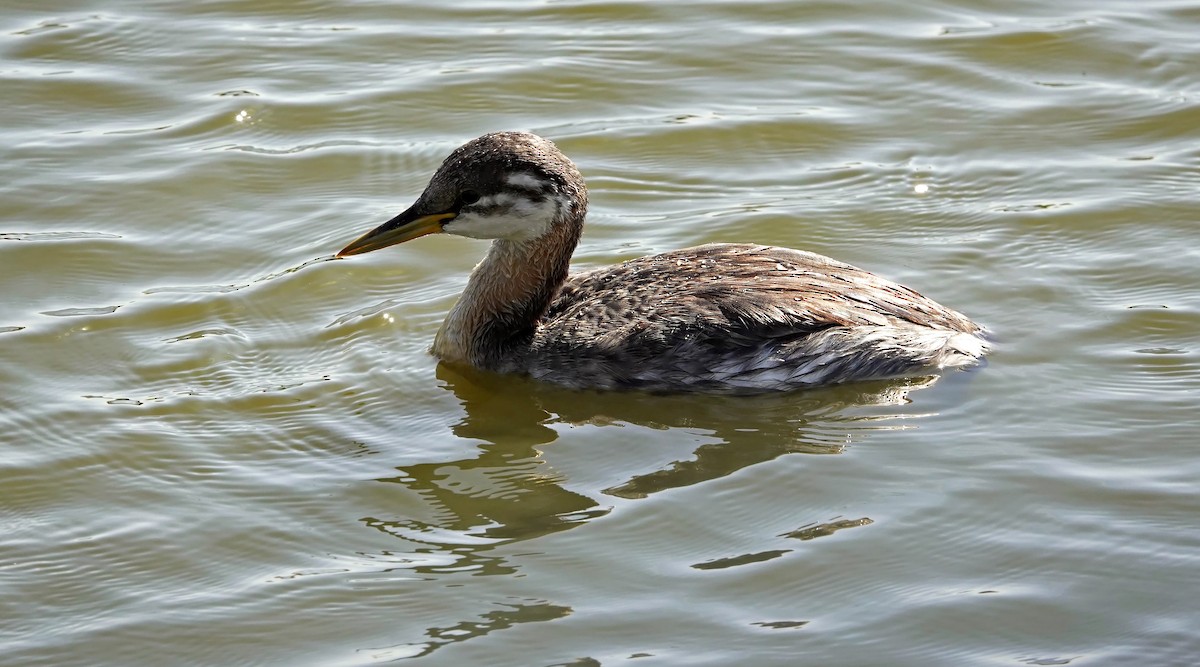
column 217, row 447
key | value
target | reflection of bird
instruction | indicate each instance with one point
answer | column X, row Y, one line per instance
column 718, row 317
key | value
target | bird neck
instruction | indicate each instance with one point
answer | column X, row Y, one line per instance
column 507, row 294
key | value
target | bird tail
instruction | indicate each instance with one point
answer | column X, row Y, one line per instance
column 961, row 349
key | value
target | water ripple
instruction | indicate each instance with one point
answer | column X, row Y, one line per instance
column 211, row 430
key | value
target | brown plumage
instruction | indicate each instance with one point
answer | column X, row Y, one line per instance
column 718, row 317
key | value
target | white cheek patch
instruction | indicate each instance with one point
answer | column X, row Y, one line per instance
column 507, row 216
column 526, row 180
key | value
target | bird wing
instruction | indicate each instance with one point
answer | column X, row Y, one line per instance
column 732, row 293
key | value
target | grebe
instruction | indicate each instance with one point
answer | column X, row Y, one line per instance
column 717, row 317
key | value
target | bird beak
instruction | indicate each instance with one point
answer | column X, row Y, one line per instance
column 404, row 227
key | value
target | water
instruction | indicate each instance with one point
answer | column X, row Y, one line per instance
column 219, row 448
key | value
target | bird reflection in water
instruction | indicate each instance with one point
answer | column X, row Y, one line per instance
column 509, row 492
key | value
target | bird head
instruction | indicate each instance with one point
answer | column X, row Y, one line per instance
column 512, row 186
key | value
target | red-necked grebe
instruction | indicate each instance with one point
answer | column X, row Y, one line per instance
column 717, row 317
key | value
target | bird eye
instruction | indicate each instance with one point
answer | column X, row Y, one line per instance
column 468, row 197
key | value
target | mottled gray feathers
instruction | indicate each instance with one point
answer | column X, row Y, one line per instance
column 739, row 317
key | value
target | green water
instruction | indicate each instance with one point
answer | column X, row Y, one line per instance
column 218, row 448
